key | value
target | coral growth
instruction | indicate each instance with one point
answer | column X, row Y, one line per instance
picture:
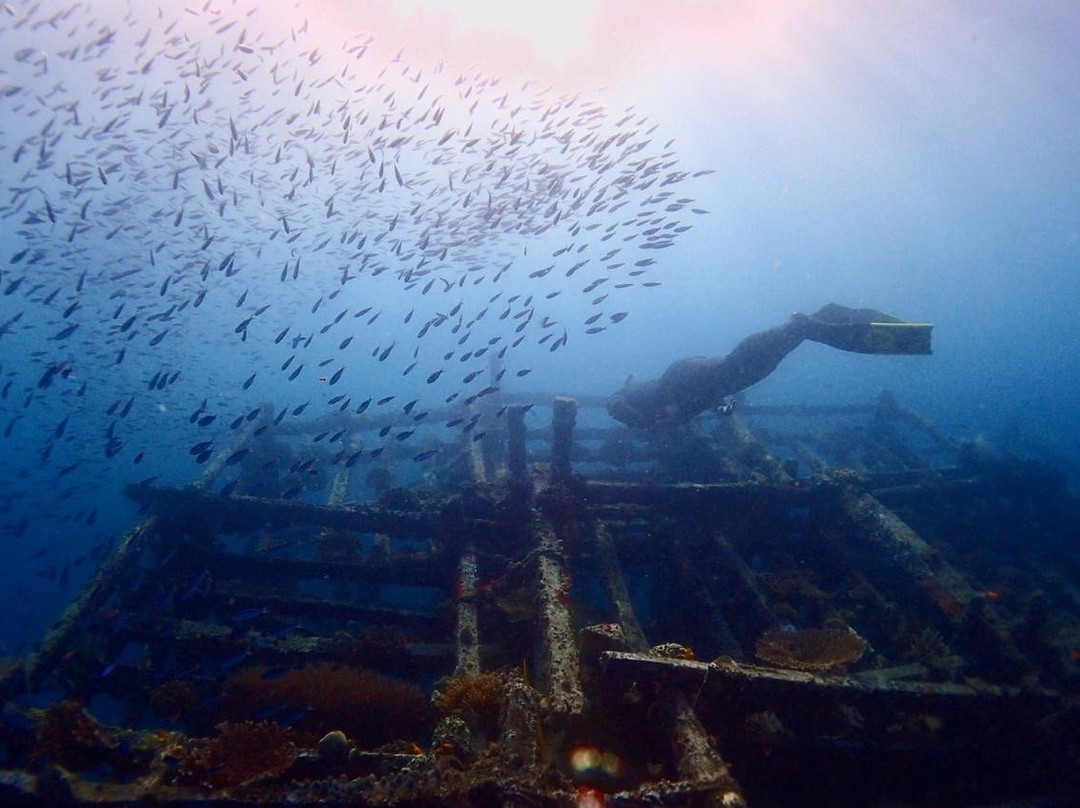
column 930, row 648
column 672, row 650
column 811, row 649
column 476, row 698
column 67, row 735
column 478, row 694
column 368, row 707
column 240, row 754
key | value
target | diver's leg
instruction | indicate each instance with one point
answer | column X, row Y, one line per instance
column 758, row 355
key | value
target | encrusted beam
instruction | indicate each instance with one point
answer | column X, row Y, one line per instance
column 107, row 580
column 228, row 599
column 467, row 639
column 751, row 452
column 560, row 663
column 218, row 645
column 238, row 513
column 727, row 676
column 690, row 497
column 899, row 548
column 409, row 571
column 697, row 761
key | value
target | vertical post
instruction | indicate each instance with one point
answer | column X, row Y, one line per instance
column 471, row 463
column 467, row 632
column 516, row 459
column 563, row 418
column 493, row 446
column 467, row 636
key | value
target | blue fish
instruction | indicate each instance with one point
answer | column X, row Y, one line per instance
column 248, row 614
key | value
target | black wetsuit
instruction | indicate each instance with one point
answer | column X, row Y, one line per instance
column 697, row 383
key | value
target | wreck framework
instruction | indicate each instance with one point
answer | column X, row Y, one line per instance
column 628, row 605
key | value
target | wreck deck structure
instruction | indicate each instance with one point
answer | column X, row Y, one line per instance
column 806, row 605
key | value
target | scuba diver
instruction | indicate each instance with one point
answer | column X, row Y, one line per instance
column 697, row 383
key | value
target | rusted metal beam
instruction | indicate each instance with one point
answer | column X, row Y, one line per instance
column 751, row 452
column 697, row 761
column 339, row 486
column 698, row 599
column 696, row 758
column 467, row 626
column 805, row 409
column 755, row 605
column 98, row 590
column 901, row 550
column 470, row 459
column 919, row 421
column 211, row 639
column 228, row 599
column 689, row 497
column 521, row 730
column 727, row 676
column 431, row 570
column 239, row 513
column 559, row 660
column 218, row 463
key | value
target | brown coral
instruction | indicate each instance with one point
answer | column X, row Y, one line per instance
column 240, row 754
column 476, row 698
column 68, row 735
column 368, row 707
column 811, row 649
column 479, row 694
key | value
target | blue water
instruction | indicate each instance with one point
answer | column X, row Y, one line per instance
column 920, row 160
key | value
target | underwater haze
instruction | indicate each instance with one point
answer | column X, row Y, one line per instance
column 222, row 214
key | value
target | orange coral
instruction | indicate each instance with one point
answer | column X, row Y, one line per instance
column 241, row 753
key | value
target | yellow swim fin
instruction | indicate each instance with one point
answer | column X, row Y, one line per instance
column 895, row 338
column 868, row 331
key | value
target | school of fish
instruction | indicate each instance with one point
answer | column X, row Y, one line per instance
column 185, row 192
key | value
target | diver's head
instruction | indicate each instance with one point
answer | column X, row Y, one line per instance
column 620, row 407
column 649, row 405
column 635, row 405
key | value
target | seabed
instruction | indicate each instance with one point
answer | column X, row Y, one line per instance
column 802, row 605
